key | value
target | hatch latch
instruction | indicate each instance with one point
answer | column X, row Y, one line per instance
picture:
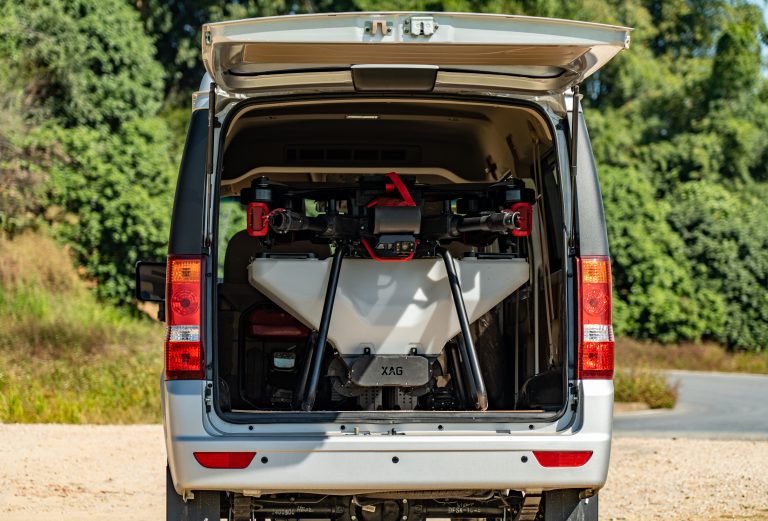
column 378, row 26
column 420, row 26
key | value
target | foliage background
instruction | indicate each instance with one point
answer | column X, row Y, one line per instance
column 94, row 98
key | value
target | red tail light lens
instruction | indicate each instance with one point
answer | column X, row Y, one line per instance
column 548, row 458
column 183, row 306
column 224, row 460
column 595, row 330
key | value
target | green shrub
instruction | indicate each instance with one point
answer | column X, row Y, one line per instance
column 645, row 386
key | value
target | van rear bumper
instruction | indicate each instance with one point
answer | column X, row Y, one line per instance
column 308, row 458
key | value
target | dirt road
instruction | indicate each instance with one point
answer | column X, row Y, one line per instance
column 117, row 473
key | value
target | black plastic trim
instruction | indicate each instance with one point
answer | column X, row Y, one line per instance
column 499, row 73
column 389, row 79
column 309, row 70
column 392, row 417
column 589, row 204
column 186, row 235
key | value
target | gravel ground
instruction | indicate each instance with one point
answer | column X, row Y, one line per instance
column 686, row 479
column 117, row 473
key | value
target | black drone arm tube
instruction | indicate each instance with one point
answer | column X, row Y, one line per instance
column 481, row 396
column 302, row 386
column 492, row 222
column 461, row 371
column 325, row 323
column 338, row 226
column 284, row 221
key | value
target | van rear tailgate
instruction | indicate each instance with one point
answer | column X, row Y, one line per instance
column 555, row 54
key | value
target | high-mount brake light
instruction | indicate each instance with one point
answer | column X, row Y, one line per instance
column 183, row 344
column 562, row 459
column 224, row 460
column 595, row 318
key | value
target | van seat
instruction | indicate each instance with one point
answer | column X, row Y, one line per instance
column 242, row 248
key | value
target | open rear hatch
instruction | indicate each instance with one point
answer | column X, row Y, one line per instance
column 535, row 55
column 428, row 336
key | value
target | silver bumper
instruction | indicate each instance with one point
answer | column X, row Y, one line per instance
column 322, row 458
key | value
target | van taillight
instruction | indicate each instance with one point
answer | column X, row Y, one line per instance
column 183, row 310
column 595, row 328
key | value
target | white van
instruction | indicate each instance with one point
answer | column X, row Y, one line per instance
column 388, row 290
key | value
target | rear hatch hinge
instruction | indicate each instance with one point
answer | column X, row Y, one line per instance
column 208, row 397
column 574, row 391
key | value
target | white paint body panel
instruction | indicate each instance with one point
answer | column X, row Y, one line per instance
column 389, row 308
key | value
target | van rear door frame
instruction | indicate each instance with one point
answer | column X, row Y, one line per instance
column 569, row 398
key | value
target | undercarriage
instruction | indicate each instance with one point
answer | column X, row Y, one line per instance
column 390, row 506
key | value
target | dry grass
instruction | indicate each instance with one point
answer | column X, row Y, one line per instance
column 694, row 357
column 64, row 356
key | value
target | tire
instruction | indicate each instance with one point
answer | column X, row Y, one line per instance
column 206, row 506
column 565, row 505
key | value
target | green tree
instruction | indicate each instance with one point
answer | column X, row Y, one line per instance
column 684, row 27
column 737, row 62
column 726, row 240
column 19, row 187
column 656, row 295
column 108, row 196
column 87, row 62
column 175, row 29
column 88, row 154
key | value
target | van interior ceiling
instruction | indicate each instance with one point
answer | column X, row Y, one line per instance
column 381, row 199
